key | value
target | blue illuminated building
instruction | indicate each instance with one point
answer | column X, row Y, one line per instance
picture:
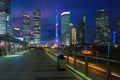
column 114, row 37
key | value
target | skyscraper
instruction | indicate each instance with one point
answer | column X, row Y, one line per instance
column 102, row 28
column 73, row 34
column 8, row 6
column 82, row 29
column 8, row 11
column 65, row 28
column 26, row 27
column 2, row 5
column 5, row 16
column 36, row 26
column 3, row 22
column 118, row 31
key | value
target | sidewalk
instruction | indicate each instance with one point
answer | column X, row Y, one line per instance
column 16, row 67
column 46, row 69
column 31, row 65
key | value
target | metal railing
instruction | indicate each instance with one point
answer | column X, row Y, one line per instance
column 86, row 59
column 107, row 61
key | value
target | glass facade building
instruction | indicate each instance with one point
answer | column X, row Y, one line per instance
column 118, row 31
column 26, row 27
column 65, row 28
column 102, row 28
column 8, row 25
column 8, row 11
column 5, row 6
column 36, row 26
column 81, row 29
column 3, row 22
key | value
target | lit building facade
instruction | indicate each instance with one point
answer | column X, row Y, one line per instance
column 102, row 28
column 26, row 27
column 2, row 22
column 8, row 25
column 5, row 6
column 36, row 27
column 65, row 28
column 73, row 36
column 8, row 11
column 16, row 32
column 114, row 37
column 82, row 29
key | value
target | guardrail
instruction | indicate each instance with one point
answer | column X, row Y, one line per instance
column 74, row 57
column 86, row 61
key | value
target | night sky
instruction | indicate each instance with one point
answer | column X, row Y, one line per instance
column 76, row 7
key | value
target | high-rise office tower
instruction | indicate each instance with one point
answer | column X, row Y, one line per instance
column 8, row 25
column 8, row 6
column 5, row 16
column 82, row 29
column 73, row 34
column 65, row 28
column 3, row 22
column 102, row 28
column 118, row 31
column 3, row 5
column 8, row 11
column 26, row 27
column 36, row 26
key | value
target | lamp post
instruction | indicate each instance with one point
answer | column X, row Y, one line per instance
column 108, row 64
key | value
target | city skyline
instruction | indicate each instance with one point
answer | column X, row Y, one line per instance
column 48, row 11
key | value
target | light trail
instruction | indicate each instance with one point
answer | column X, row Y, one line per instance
column 92, row 66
